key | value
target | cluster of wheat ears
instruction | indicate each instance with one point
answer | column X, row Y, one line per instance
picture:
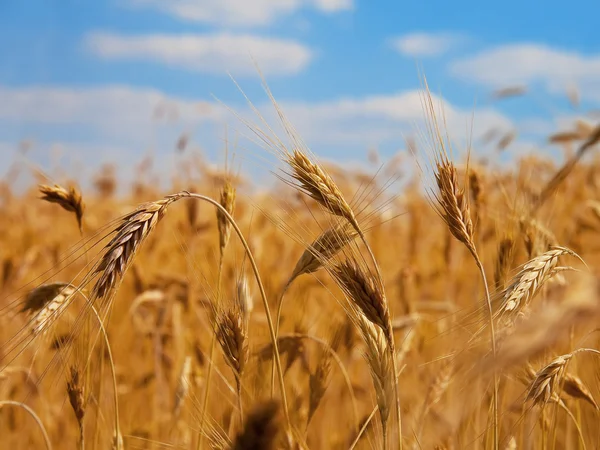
column 461, row 315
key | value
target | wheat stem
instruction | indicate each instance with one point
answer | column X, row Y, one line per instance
column 209, row 371
column 363, row 428
column 262, row 294
column 35, row 417
column 493, row 338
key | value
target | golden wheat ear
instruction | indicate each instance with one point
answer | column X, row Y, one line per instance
column 69, row 199
column 133, row 229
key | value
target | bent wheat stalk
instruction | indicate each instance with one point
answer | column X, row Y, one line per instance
column 131, row 233
column 262, row 294
column 35, row 417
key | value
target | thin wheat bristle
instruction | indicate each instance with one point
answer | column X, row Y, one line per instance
column 363, row 290
column 318, row 185
column 69, row 199
column 262, row 428
column 129, row 235
column 227, row 201
column 325, row 247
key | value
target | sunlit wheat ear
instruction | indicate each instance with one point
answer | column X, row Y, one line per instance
column 526, row 283
column 453, row 204
column 50, row 300
column 244, row 299
column 317, row 382
column 183, row 386
column 227, row 201
column 363, row 290
column 233, row 338
column 129, row 235
column 325, row 247
column 570, row 385
column 380, row 364
column 317, row 184
column 262, row 428
column 70, row 200
column 547, row 381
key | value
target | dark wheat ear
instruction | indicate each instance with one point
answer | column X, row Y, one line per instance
column 69, row 199
column 233, row 338
column 261, row 429
column 77, row 400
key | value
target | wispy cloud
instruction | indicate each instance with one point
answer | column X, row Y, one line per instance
column 107, row 115
column 125, row 114
column 210, row 53
column 240, row 12
column 426, row 44
column 526, row 63
column 374, row 120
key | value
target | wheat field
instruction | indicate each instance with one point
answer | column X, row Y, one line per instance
column 442, row 302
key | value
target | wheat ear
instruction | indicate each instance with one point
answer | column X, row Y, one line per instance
column 452, row 205
column 69, row 199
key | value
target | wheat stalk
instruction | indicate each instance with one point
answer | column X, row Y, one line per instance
column 380, row 364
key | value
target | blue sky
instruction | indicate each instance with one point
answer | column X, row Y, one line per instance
column 110, row 80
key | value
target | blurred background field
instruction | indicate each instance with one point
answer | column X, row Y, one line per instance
column 124, row 324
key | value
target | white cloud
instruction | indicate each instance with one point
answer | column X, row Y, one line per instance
column 216, row 53
column 100, row 105
column 135, row 118
column 117, row 113
column 426, row 44
column 526, row 63
column 372, row 120
column 240, row 12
